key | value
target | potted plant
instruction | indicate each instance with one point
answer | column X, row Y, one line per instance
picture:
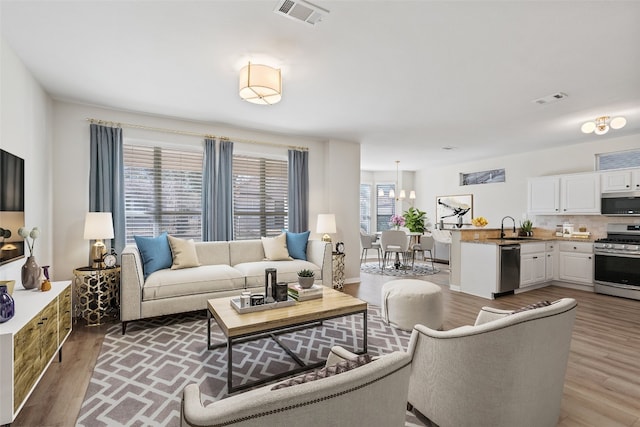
column 306, row 278
column 415, row 220
column 526, row 227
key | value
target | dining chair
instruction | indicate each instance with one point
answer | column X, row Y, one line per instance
column 394, row 241
column 425, row 245
column 369, row 241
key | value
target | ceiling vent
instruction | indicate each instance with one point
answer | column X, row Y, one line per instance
column 301, row 11
column 550, row 98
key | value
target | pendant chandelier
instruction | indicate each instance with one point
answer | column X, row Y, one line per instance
column 402, row 194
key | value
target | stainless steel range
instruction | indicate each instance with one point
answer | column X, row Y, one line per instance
column 617, row 266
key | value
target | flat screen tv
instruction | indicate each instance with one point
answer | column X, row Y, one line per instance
column 11, row 206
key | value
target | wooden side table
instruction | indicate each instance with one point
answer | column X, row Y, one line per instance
column 338, row 270
column 97, row 294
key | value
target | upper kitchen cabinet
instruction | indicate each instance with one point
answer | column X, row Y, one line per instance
column 620, row 180
column 565, row 194
column 544, row 195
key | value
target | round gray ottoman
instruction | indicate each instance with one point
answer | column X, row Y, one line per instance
column 407, row 302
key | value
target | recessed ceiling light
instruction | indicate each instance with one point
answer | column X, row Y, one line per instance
column 448, row 147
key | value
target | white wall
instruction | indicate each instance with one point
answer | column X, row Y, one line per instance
column 25, row 130
column 342, row 186
column 71, row 174
column 494, row 201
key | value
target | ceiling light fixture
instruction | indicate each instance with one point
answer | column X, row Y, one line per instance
column 601, row 125
column 260, row 84
column 402, row 194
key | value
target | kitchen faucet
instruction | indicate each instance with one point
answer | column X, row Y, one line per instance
column 502, row 226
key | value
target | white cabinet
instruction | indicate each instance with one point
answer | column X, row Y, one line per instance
column 565, row 194
column 479, row 269
column 29, row 342
column 551, row 261
column 576, row 262
column 532, row 264
column 580, row 193
column 544, row 195
column 621, row 180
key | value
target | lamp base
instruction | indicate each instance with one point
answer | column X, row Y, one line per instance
column 326, row 238
column 98, row 250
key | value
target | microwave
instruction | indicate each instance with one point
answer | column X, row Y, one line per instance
column 620, row 204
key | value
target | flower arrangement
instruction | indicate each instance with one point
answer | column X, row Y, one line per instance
column 479, row 221
column 397, row 221
column 26, row 234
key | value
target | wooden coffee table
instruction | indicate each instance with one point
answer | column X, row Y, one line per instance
column 270, row 323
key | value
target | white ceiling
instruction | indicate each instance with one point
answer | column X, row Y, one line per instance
column 403, row 78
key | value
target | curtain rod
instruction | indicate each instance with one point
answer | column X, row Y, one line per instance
column 188, row 133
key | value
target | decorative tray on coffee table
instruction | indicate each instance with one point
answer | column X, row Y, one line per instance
column 235, row 303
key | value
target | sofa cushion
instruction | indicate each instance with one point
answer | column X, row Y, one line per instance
column 328, row 371
column 287, row 271
column 297, row 244
column 184, row 253
column 155, row 253
column 275, row 248
column 191, row 281
column 211, row 253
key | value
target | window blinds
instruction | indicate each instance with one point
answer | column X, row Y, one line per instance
column 163, row 191
column 385, row 207
column 260, row 205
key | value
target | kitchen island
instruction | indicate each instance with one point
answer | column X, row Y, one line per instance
column 476, row 269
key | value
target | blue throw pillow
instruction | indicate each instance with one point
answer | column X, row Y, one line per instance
column 155, row 253
column 297, row 244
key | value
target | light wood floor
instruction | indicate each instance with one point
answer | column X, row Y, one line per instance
column 602, row 386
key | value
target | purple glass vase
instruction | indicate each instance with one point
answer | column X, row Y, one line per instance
column 7, row 306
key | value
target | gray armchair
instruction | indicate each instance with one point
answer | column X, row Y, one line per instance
column 371, row 395
column 507, row 370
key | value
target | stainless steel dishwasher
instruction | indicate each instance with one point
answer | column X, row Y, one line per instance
column 509, row 268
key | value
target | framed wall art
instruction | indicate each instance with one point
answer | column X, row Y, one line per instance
column 454, row 210
column 484, row 177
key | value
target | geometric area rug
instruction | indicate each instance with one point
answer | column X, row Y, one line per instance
column 418, row 269
column 139, row 377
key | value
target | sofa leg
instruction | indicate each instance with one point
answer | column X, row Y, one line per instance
column 124, row 327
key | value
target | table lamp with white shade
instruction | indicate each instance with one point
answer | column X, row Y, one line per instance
column 326, row 225
column 98, row 226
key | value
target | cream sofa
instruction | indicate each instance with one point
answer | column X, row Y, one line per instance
column 226, row 269
column 374, row 394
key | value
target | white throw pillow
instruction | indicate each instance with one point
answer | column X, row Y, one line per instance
column 184, row 253
column 275, row 248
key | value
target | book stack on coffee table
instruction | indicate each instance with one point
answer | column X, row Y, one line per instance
column 299, row 294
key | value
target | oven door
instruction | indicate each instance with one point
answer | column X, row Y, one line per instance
column 618, row 269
